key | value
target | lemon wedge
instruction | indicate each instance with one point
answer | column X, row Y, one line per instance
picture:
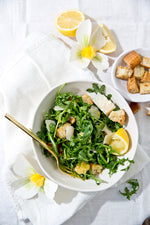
column 68, row 22
column 119, row 141
column 110, row 44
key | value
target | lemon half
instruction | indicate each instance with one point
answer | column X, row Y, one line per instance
column 68, row 22
column 110, row 44
column 119, row 141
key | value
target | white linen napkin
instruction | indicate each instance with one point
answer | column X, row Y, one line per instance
column 41, row 64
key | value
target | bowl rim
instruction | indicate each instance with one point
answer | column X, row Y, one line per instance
column 129, row 97
column 33, row 141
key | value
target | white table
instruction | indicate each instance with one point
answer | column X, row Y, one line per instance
column 130, row 23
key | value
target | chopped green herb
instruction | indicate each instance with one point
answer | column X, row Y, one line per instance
column 133, row 190
column 128, row 167
column 109, row 96
column 97, row 89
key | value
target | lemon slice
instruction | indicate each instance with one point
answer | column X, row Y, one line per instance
column 119, row 141
column 110, row 44
column 68, row 22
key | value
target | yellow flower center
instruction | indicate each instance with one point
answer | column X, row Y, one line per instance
column 88, row 52
column 37, row 179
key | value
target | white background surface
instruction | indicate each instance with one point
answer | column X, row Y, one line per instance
column 130, row 23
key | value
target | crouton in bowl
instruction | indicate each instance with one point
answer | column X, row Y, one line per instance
column 103, row 105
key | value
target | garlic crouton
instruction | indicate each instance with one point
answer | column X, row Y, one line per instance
column 145, row 62
column 72, row 120
column 123, row 72
column 96, row 169
column 132, row 85
column 139, row 72
column 145, row 88
column 61, row 131
column 82, row 168
column 118, row 116
column 132, row 59
column 146, row 77
column 105, row 105
column 87, row 99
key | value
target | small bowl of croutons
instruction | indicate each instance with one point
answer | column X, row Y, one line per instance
column 131, row 74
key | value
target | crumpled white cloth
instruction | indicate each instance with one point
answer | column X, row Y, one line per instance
column 41, row 63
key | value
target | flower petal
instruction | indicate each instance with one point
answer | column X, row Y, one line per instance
column 27, row 191
column 50, row 188
column 76, row 57
column 97, row 39
column 22, row 167
column 83, row 33
column 100, row 61
column 19, row 183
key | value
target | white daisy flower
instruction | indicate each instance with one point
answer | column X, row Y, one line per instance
column 86, row 50
column 30, row 182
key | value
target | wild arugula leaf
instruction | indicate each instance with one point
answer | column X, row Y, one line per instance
column 128, row 167
column 113, row 126
column 97, row 89
column 90, row 90
column 116, row 108
column 82, row 156
column 109, row 96
column 114, row 163
column 61, row 87
column 133, row 190
column 100, row 89
column 89, row 175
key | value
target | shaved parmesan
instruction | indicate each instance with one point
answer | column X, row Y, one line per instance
column 105, row 105
column 69, row 132
column 56, row 108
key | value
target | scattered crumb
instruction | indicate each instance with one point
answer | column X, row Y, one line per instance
column 148, row 111
column 135, row 107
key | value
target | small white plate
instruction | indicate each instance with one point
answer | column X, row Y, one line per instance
column 121, row 85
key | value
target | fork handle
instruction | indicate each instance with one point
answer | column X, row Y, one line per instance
column 30, row 133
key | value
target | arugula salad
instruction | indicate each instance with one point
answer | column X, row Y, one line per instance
column 75, row 128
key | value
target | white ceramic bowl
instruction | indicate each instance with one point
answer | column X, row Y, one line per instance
column 121, row 85
column 48, row 165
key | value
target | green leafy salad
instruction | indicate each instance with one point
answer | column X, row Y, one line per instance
column 75, row 129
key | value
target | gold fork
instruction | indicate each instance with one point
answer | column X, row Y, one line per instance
column 62, row 168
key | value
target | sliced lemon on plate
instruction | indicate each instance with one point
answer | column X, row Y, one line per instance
column 110, row 44
column 119, row 141
column 68, row 22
